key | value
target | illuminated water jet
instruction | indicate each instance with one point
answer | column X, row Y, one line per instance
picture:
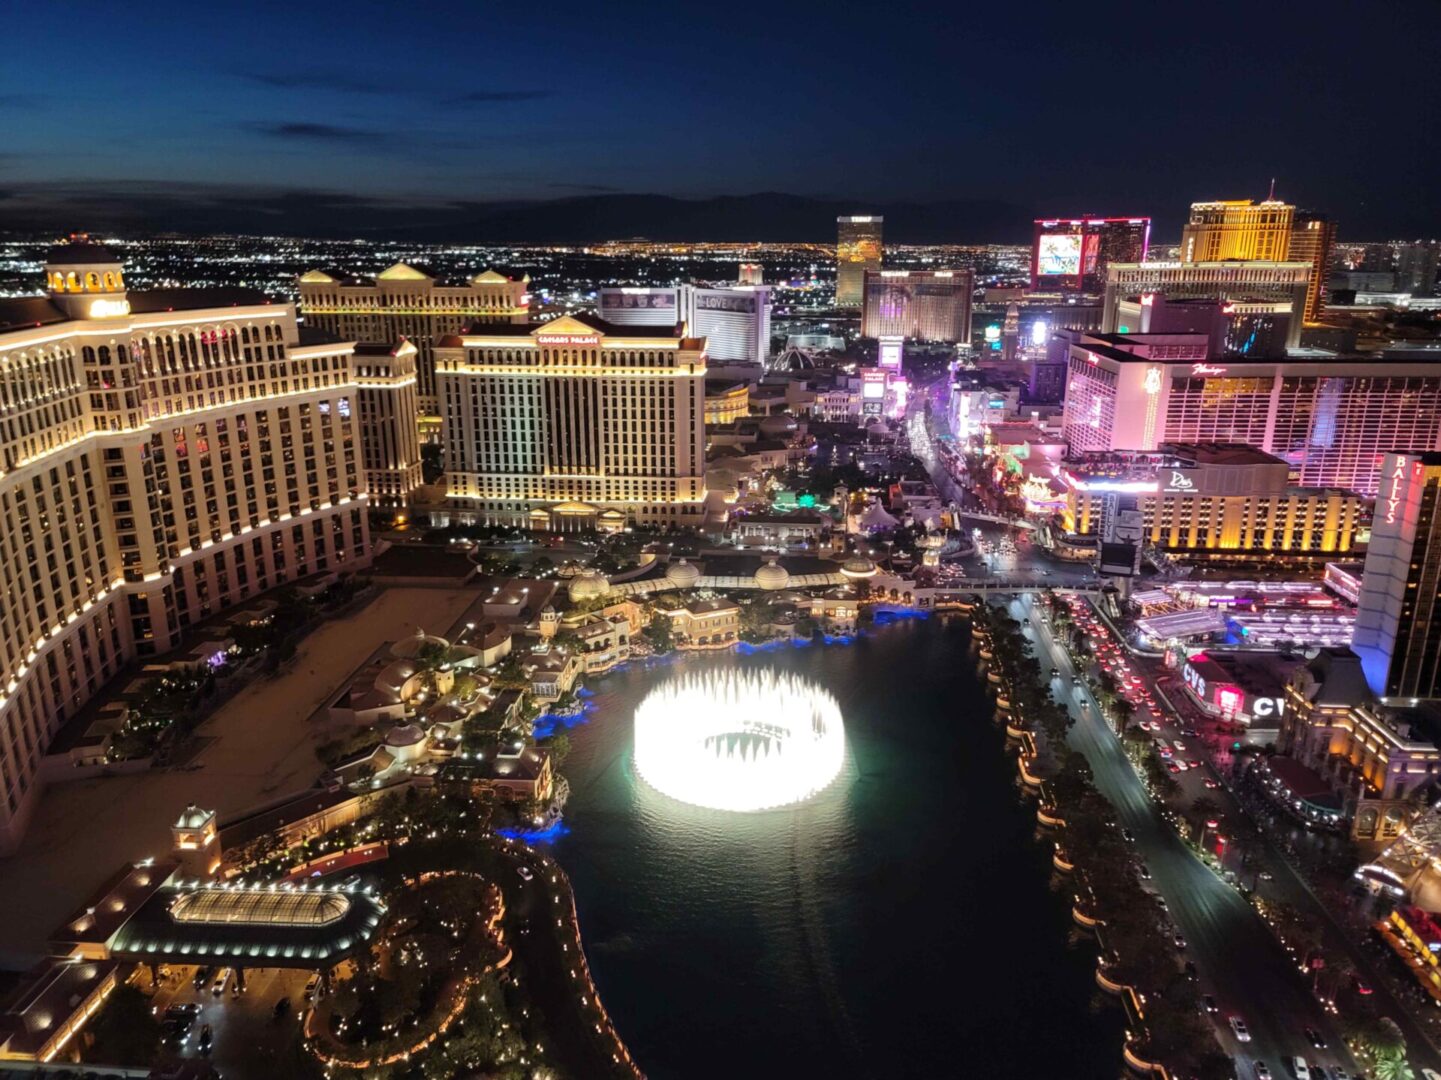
column 731, row 740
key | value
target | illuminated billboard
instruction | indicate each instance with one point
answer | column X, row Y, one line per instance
column 1058, row 255
column 873, row 386
column 890, row 352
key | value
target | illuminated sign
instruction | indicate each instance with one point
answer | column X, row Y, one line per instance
column 1230, row 699
column 873, row 386
column 1058, row 255
column 1207, row 369
column 568, row 339
column 1268, row 706
column 890, row 352
column 1394, row 489
column 993, row 332
column 1180, row 482
column 630, row 298
column 1153, row 380
column 1195, row 681
column 1039, row 331
column 108, row 309
column 709, row 301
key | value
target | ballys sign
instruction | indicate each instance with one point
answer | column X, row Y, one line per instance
column 1393, row 486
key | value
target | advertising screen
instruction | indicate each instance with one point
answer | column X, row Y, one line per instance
column 1058, row 254
column 890, row 352
column 873, row 388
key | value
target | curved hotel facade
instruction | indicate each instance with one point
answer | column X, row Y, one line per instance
column 165, row 454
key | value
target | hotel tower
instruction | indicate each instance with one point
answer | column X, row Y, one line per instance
column 163, row 455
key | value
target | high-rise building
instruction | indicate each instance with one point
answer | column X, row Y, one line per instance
column 1071, row 254
column 1416, row 265
column 859, row 248
column 932, row 305
column 1329, row 418
column 751, row 273
column 405, row 302
column 1398, row 618
column 1237, row 229
column 575, row 423
column 734, row 320
column 389, row 440
column 1313, row 240
column 1280, row 282
column 166, row 454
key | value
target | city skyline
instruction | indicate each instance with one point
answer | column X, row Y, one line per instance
column 236, row 134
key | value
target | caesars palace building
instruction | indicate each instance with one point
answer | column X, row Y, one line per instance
column 572, row 424
column 163, row 455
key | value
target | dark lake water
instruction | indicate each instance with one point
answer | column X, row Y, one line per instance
column 902, row 924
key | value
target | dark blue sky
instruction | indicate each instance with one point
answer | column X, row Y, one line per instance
column 1056, row 107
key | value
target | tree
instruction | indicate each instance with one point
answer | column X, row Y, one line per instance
column 662, row 639
column 125, row 1030
column 1204, row 808
column 1393, row 1067
column 559, row 747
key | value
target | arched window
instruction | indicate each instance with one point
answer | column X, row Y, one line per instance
column 92, row 280
column 72, row 282
column 109, row 282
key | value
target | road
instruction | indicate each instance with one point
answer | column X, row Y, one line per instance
column 1239, row 961
column 249, row 1039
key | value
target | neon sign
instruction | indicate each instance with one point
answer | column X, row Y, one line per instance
column 1393, row 491
column 1207, row 369
column 568, row 339
column 1180, row 481
column 1153, row 380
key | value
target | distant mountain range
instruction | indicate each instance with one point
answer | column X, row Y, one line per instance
column 768, row 216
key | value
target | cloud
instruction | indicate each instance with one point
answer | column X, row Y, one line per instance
column 301, row 80
column 297, row 130
column 596, row 188
column 481, row 97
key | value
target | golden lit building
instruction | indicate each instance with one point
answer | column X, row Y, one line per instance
column 1215, row 499
column 858, row 248
column 407, row 302
column 1372, row 755
column 726, row 401
column 385, row 382
column 573, row 424
column 163, row 455
column 1313, row 240
column 1237, row 229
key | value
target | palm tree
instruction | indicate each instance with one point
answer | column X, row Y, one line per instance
column 1204, row 807
column 1393, row 1067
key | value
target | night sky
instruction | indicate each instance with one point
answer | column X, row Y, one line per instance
column 1048, row 107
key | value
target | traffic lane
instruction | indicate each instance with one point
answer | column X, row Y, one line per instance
column 1241, row 963
column 1277, row 880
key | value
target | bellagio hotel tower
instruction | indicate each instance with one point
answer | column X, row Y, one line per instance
column 163, row 455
